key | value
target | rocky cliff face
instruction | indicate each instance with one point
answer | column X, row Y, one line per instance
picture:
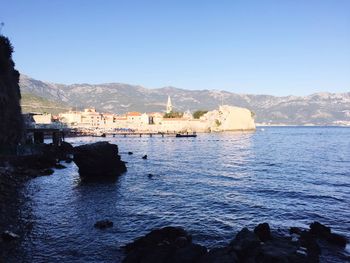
column 11, row 128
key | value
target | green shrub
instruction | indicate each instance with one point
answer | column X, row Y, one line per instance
column 199, row 113
column 173, row 114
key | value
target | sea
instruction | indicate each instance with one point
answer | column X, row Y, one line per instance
column 212, row 185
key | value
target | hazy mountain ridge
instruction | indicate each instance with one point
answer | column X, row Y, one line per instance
column 319, row 108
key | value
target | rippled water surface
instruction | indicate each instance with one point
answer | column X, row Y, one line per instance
column 212, row 185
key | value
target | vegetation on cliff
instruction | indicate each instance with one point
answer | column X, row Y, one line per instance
column 199, row 113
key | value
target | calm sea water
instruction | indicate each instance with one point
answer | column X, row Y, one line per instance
column 212, row 185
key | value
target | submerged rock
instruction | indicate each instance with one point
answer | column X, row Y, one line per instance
column 103, row 224
column 144, row 157
column 98, row 160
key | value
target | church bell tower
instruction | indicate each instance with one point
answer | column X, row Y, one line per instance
column 169, row 106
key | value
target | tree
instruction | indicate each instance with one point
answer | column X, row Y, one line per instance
column 173, row 114
column 252, row 113
column 217, row 122
column 199, row 113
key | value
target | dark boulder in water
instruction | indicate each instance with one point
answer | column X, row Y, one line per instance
column 98, row 160
column 246, row 244
column 319, row 230
column 323, row 232
column 166, row 235
column 168, row 244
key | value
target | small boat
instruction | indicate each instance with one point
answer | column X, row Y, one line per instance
column 179, row 135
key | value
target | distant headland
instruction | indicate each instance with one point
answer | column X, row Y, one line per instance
column 316, row 109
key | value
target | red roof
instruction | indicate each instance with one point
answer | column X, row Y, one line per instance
column 134, row 113
column 174, row 119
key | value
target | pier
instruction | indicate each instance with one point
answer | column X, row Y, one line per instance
column 141, row 134
column 103, row 133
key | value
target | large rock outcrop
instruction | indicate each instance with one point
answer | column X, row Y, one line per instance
column 230, row 118
column 168, row 244
column 11, row 128
column 98, row 160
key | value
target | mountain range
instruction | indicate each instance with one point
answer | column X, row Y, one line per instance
column 315, row 109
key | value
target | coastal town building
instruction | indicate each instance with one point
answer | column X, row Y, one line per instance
column 71, row 117
column 45, row 118
column 187, row 115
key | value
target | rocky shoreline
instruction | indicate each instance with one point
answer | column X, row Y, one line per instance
column 296, row 245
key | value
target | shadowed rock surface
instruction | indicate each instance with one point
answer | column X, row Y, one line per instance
column 98, row 161
column 11, row 128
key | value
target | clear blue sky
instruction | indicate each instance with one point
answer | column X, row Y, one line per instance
column 275, row 47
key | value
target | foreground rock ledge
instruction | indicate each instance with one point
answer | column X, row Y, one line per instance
column 98, row 160
column 174, row 244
